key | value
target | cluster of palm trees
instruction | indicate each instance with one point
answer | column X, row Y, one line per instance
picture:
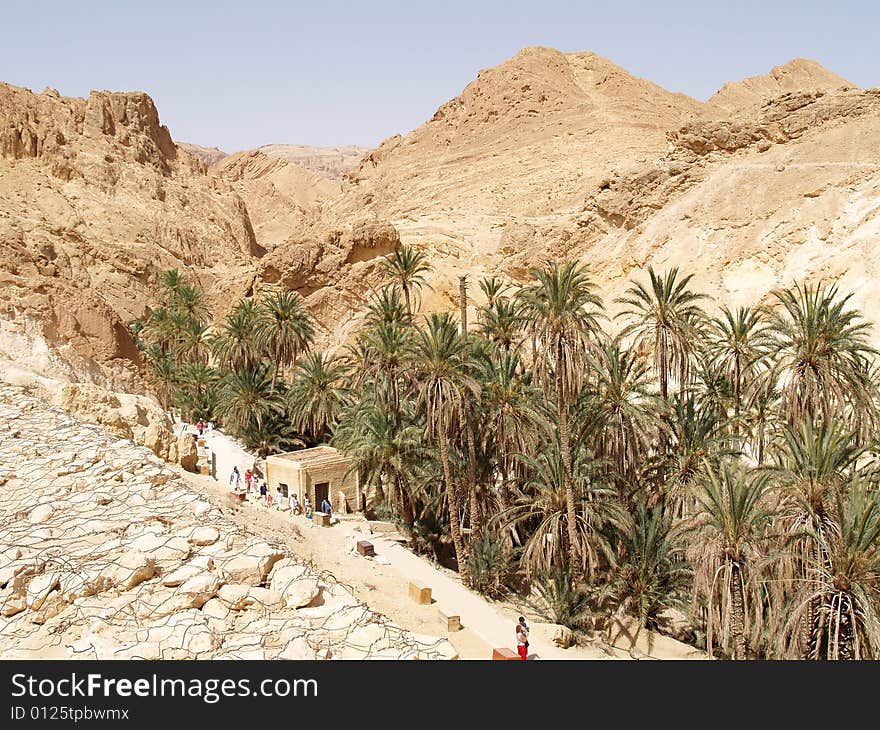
column 253, row 371
column 670, row 463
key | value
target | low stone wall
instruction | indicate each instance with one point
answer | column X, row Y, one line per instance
column 105, row 553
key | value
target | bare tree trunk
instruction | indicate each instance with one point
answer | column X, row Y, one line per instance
column 468, row 417
column 461, row 556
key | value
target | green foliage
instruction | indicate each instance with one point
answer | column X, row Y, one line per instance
column 562, row 602
column 491, row 563
column 717, row 462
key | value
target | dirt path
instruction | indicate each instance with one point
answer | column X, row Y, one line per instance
column 383, row 584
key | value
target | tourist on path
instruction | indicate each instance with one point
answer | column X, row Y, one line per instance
column 308, row 507
column 326, row 507
column 201, row 427
column 248, row 475
column 522, row 639
column 235, row 478
column 293, row 503
column 264, row 493
column 279, row 498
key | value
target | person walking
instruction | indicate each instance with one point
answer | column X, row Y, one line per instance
column 279, row 498
column 308, row 508
column 235, row 478
column 248, row 475
column 264, row 493
column 200, row 426
column 522, row 639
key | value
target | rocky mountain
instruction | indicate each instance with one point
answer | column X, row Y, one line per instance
column 329, row 162
column 775, row 178
column 798, row 74
column 281, row 196
column 208, row 155
column 96, row 200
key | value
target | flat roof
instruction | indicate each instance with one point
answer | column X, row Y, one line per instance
column 316, row 456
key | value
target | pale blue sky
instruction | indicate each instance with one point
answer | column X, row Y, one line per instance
column 241, row 74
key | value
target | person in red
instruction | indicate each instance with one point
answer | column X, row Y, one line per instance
column 200, row 426
column 522, row 640
column 248, row 475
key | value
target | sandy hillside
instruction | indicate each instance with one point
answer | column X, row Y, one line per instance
column 552, row 154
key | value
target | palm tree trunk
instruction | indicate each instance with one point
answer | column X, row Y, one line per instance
column 737, row 377
column 468, row 418
column 454, row 526
column 406, row 297
column 737, row 618
column 577, row 573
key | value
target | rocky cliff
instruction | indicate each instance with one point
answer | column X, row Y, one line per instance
column 95, row 201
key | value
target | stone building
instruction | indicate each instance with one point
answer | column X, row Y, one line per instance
column 318, row 472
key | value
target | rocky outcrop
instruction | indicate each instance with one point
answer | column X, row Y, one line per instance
column 103, row 556
column 331, row 163
column 799, row 74
column 95, row 201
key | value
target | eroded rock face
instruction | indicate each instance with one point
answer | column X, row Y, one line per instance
column 95, row 201
column 89, row 568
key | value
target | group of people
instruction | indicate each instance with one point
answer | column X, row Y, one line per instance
column 254, row 484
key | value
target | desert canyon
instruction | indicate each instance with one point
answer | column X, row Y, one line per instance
column 773, row 179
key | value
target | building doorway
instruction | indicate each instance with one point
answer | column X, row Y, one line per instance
column 322, row 492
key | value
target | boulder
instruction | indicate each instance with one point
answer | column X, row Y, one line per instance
column 187, row 451
column 251, row 566
column 39, row 588
column 563, row 636
column 41, row 513
column 131, row 569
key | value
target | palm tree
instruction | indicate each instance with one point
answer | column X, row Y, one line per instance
column 284, row 329
column 502, row 323
column 621, row 414
column 441, row 387
column 665, row 321
column 562, row 311
column 842, row 596
column 247, row 398
column 697, row 437
column 739, row 345
column 385, row 307
column 380, row 355
column 811, row 464
column 234, row 344
column 512, row 413
column 728, row 531
column 542, row 507
column 170, row 281
column 493, row 287
column 407, row 266
column 385, row 452
column 190, row 301
column 196, row 395
column 822, row 355
column 648, row 573
column 318, row 394
column 193, row 343
column 163, row 373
